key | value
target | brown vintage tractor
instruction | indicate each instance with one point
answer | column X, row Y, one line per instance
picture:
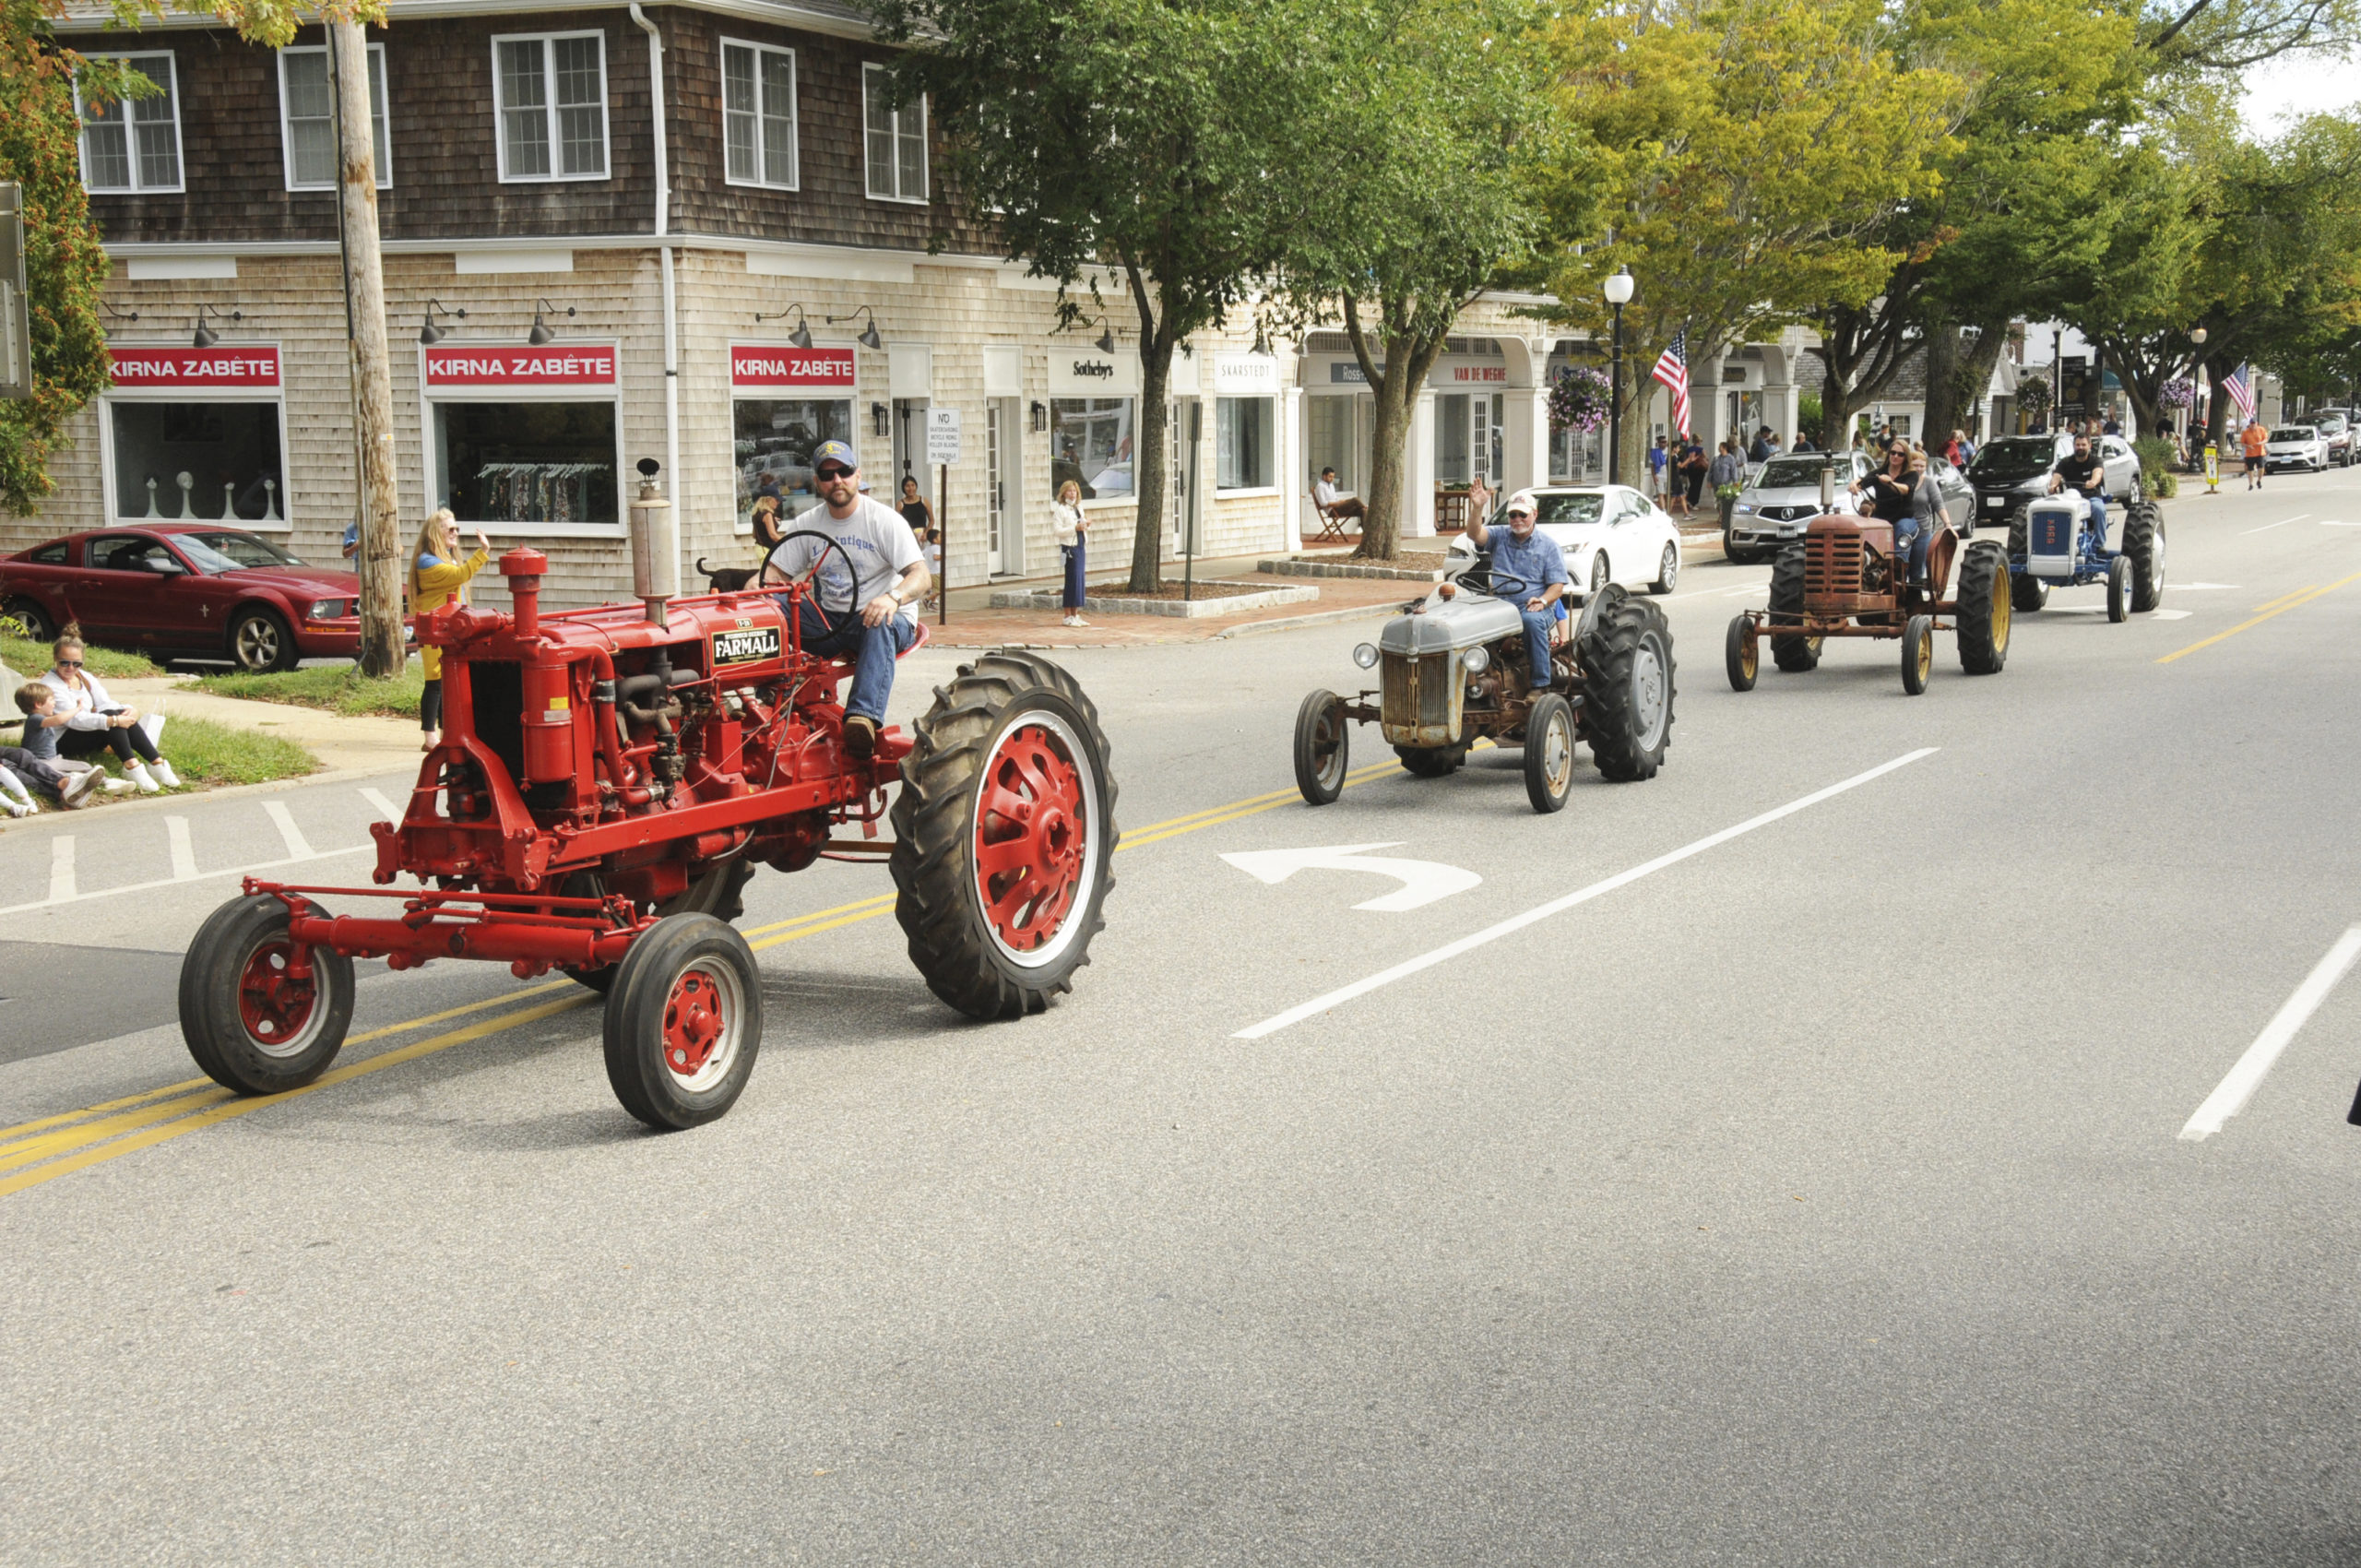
column 607, row 781
column 1841, row 579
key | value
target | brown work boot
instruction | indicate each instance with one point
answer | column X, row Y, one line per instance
column 861, row 737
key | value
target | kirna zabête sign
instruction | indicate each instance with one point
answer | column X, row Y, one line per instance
column 767, row 365
column 485, row 365
column 247, row 365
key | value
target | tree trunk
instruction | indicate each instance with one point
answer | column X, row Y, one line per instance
column 1150, row 426
column 1943, row 384
column 2217, row 410
column 1837, row 410
column 1388, row 453
column 382, row 651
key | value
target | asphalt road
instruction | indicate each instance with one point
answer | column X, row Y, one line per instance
column 1817, row 1196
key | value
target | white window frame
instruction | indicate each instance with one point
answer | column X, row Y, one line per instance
column 276, row 396
column 548, row 41
column 765, row 179
column 926, row 170
column 380, row 117
column 131, row 141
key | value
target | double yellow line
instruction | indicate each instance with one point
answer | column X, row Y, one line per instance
column 2279, row 606
column 41, row 1150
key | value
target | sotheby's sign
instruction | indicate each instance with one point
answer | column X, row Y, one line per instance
column 1084, row 372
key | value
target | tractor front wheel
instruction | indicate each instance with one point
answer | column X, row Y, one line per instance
column 2143, row 542
column 1789, row 650
column 1627, row 687
column 1549, row 753
column 1984, row 607
column 1002, row 834
column 1322, row 747
column 2118, row 590
column 1918, row 653
column 1742, row 654
column 252, row 1021
column 684, row 1021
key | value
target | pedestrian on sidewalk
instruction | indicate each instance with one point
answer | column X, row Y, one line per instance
column 437, row 578
column 914, row 509
column 1693, row 465
column 1074, row 530
column 96, row 722
column 1657, row 459
column 1727, row 476
column 2255, row 442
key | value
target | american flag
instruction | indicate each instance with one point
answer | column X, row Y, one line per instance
column 1672, row 369
column 2239, row 384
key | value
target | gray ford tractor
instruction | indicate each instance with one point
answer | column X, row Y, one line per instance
column 1451, row 670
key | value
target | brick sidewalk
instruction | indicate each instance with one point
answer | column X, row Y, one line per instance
column 981, row 628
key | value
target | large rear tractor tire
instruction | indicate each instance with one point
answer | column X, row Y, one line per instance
column 2027, row 594
column 1431, row 762
column 1984, row 607
column 1323, row 744
column 1002, row 832
column 685, row 1021
column 1791, row 652
column 1918, row 653
column 2019, row 530
column 2144, row 541
column 1627, row 687
column 251, row 1022
column 1549, row 753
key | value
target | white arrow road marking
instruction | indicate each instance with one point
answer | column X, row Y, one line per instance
column 1516, row 923
column 1423, row 882
column 2231, row 1095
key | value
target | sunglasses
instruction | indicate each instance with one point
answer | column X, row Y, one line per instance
column 69, row 664
column 835, row 473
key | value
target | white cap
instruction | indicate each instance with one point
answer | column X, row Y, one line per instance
column 1522, row 501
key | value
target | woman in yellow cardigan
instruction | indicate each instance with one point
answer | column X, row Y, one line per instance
column 437, row 577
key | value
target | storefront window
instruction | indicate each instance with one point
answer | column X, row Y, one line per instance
column 1451, row 438
column 218, row 461
column 515, row 463
column 1243, row 447
column 1329, row 432
column 775, row 440
column 1090, row 442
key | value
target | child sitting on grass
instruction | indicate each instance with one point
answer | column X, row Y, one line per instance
column 34, row 763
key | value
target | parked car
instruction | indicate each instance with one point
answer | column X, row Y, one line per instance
column 1782, row 496
column 2336, row 428
column 1609, row 533
column 2295, row 447
column 186, row 589
column 2011, row 470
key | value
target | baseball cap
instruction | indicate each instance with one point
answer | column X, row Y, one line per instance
column 835, row 452
column 1522, row 501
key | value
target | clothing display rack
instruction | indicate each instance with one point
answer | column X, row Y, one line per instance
column 537, row 492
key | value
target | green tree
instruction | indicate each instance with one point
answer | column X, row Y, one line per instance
column 1417, row 174
column 1141, row 141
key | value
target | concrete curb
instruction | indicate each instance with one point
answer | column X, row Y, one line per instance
column 1320, row 618
column 1200, row 608
column 1296, row 568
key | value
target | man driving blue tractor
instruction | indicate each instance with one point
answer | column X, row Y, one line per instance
column 2084, row 472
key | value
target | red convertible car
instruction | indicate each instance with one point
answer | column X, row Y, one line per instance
column 194, row 590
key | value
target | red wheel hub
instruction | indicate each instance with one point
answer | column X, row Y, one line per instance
column 693, row 1022
column 1032, row 838
column 275, row 1001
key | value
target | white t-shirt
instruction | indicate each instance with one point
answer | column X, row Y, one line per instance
column 875, row 537
column 1325, row 492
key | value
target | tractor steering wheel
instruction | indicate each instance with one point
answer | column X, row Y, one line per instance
column 831, row 620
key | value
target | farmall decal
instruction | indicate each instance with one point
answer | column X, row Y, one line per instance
column 752, row 646
column 221, row 366
column 487, row 366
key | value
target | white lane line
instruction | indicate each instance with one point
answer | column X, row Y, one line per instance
column 376, row 798
column 2230, row 1097
column 73, row 897
column 61, row 868
column 2280, row 524
column 1514, row 923
column 298, row 846
column 183, row 851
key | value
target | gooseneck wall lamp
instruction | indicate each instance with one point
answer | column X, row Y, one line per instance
column 429, row 334
column 801, row 336
column 205, row 337
column 541, row 333
column 868, row 336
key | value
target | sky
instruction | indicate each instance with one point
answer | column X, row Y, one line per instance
column 2308, row 85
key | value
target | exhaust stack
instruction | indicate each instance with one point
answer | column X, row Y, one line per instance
column 655, row 545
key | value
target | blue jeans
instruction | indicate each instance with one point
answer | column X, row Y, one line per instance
column 1074, row 593
column 1538, row 626
column 873, row 650
column 2098, row 517
column 1911, row 536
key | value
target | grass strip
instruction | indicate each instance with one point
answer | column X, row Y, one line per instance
column 333, row 688
column 30, row 659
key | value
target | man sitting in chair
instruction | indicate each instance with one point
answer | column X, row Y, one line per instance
column 1529, row 571
column 1334, row 507
column 874, row 553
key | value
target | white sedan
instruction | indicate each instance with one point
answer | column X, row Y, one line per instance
column 2296, row 447
column 1609, row 533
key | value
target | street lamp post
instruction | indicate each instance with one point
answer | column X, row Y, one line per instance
column 1618, row 294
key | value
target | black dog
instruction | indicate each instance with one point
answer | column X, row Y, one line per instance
column 728, row 579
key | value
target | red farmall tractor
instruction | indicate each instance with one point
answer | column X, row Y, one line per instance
column 607, row 782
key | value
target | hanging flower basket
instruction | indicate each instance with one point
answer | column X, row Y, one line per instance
column 2032, row 394
column 2177, row 395
column 1578, row 401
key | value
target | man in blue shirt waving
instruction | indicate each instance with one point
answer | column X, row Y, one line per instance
column 1528, row 571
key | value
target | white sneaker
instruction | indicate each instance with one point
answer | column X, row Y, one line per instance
column 17, row 807
column 112, row 785
column 164, row 774
column 141, row 778
column 77, row 786
column 1076, row 621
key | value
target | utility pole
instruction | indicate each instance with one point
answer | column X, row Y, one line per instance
column 382, row 652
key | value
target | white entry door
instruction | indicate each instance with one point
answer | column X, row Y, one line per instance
column 995, row 488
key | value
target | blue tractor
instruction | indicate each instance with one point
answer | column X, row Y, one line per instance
column 2060, row 542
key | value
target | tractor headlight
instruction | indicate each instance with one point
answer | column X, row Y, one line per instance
column 1478, row 660
column 1366, row 656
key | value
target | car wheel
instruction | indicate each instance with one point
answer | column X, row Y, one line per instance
column 260, row 642
column 1599, row 574
column 1668, row 570
column 38, row 626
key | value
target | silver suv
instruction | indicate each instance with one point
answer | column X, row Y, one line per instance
column 1780, row 498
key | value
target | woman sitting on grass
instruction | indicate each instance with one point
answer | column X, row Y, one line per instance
column 437, row 577
column 96, row 722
